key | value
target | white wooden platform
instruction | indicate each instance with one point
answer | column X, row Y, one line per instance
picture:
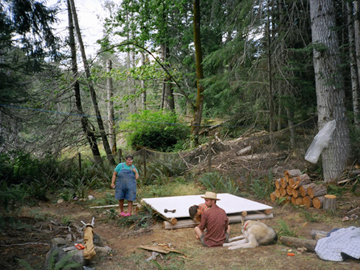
column 230, row 203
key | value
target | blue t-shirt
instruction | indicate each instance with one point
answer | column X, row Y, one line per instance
column 122, row 165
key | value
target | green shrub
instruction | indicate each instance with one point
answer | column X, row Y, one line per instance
column 216, row 182
column 159, row 130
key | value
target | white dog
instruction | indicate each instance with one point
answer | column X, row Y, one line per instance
column 255, row 233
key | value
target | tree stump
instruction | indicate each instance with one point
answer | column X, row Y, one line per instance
column 330, row 202
column 317, row 191
column 318, row 202
column 304, row 189
column 307, row 201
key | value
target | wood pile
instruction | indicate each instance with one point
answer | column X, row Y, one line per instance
column 297, row 188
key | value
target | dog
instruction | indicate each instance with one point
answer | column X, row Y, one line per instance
column 255, row 233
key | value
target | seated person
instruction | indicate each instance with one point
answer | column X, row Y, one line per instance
column 196, row 211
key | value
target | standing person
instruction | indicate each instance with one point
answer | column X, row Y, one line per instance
column 215, row 221
column 125, row 175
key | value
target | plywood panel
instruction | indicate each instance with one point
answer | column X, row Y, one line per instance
column 230, row 203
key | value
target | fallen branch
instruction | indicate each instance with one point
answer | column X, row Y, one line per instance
column 309, row 244
column 25, row 244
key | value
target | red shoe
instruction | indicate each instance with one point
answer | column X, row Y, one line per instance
column 127, row 215
column 122, row 214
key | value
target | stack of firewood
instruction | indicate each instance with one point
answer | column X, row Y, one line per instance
column 297, row 188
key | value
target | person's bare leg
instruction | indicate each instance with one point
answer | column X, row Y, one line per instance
column 130, row 204
column 198, row 232
column 121, row 206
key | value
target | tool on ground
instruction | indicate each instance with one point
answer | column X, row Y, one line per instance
column 172, row 211
column 79, row 246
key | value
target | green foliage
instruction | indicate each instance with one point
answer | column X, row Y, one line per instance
column 310, row 217
column 216, row 182
column 284, row 229
column 160, row 171
column 66, row 262
column 335, row 190
column 262, row 188
column 143, row 219
column 11, row 194
column 66, row 220
column 158, row 130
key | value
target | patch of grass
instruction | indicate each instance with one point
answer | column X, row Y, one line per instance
column 38, row 215
column 285, row 230
column 66, row 220
column 335, row 190
column 310, row 217
column 171, row 189
column 262, row 187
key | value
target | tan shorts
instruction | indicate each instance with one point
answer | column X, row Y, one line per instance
column 205, row 245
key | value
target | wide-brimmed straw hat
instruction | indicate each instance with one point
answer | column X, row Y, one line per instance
column 210, row 195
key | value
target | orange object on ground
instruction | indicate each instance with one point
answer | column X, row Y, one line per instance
column 79, row 246
column 291, row 254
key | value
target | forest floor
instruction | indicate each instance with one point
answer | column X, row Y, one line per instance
column 29, row 239
column 27, row 233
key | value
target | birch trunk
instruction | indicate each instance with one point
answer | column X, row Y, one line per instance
column 329, row 87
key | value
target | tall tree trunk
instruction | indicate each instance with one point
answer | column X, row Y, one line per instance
column 91, row 88
column 143, row 90
column 270, row 76
column 357, row 56
column 329, row 87
column 90, row 136
column 195, row 127
column 167, row 95
column 111, row 114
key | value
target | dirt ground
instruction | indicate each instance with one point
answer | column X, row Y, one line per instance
column 28, row 236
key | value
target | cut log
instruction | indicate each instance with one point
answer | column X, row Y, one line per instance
column 295, row 193
column 277, row 193
column 277, row 183
column 318, row 202
column 172, row 220
column 301, row 180
column 289, row 190
column 292, row 181
column 244, row 213
column 268, row 211
column 309, row 244
column 188, row 223
column 304, row 189
column 316, row 234
column 307, row 201
column 283, row 182
column 282, row 192
column 291, row 173
column 244, row 151
column 299, row 201
column 293, row 199
column 273, row 197
column 288, row 198
column 330, row 202
column 316, row 191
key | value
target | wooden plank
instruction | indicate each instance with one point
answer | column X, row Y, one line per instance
column 188, row 223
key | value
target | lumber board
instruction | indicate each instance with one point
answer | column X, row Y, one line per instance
column 188, row 223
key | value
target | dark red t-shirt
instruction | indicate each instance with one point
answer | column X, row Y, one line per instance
column 216, row 222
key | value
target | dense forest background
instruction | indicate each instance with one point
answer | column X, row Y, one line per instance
column 168, row 71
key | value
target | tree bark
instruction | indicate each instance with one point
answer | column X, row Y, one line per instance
column 143, row 90
column 195, row 127
column 111, row 114
column 167, row 95
column 352, row 58
column 289, row 241
column 329, row 87
column 91, row 88
column 90, row 136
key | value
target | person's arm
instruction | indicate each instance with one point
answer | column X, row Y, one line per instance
column 136, row 173
column 113, row 179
